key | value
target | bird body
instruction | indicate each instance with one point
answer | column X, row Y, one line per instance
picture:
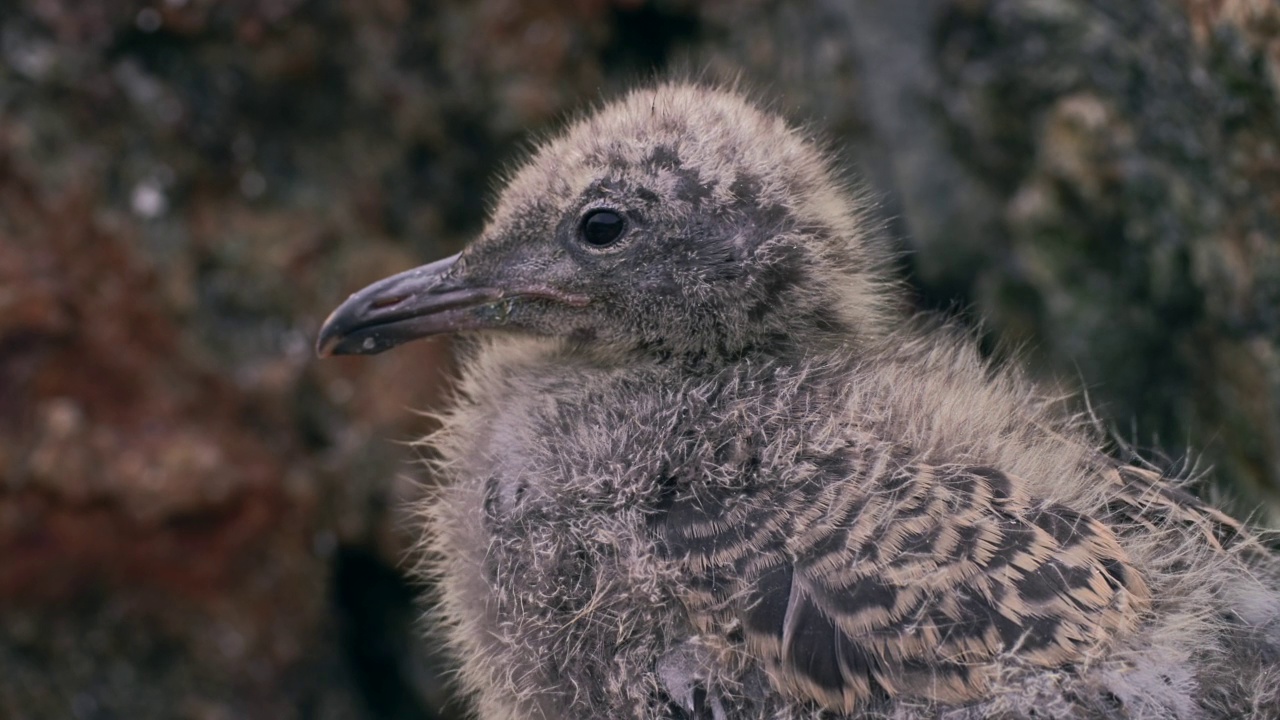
column 701, row 463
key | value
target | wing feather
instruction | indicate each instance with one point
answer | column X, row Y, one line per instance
column 910, row 582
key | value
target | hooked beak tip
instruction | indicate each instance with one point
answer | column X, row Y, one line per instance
column 388, row 312
column 326, row 345
column 334, row 332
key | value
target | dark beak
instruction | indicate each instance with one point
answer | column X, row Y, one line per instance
column 426, row 300
column 413, row 304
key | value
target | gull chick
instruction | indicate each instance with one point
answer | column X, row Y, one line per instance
column 703, row 463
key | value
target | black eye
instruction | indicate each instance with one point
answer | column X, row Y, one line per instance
column 602, row 227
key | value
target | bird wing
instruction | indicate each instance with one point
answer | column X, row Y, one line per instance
column 1144, row 497
column 900, row 579
column 1141, row 496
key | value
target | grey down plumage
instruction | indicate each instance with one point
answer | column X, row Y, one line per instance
column 702, row 463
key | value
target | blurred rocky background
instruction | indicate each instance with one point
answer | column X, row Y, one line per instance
column 198, row 520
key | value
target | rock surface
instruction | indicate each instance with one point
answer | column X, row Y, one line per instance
column 197, row 520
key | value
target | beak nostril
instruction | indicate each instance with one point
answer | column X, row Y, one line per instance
column 383, row 303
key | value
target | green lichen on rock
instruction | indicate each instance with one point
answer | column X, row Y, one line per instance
column 1128, row 145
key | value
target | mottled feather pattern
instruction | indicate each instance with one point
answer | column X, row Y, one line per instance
column 1145, row 498
column 877, row 576
column 864, row 571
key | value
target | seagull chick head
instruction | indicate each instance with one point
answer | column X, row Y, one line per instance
column 680, row 220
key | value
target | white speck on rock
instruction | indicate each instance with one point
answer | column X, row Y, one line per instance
column 148, row 200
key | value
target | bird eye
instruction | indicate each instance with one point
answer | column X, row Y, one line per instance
column 602, row 227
